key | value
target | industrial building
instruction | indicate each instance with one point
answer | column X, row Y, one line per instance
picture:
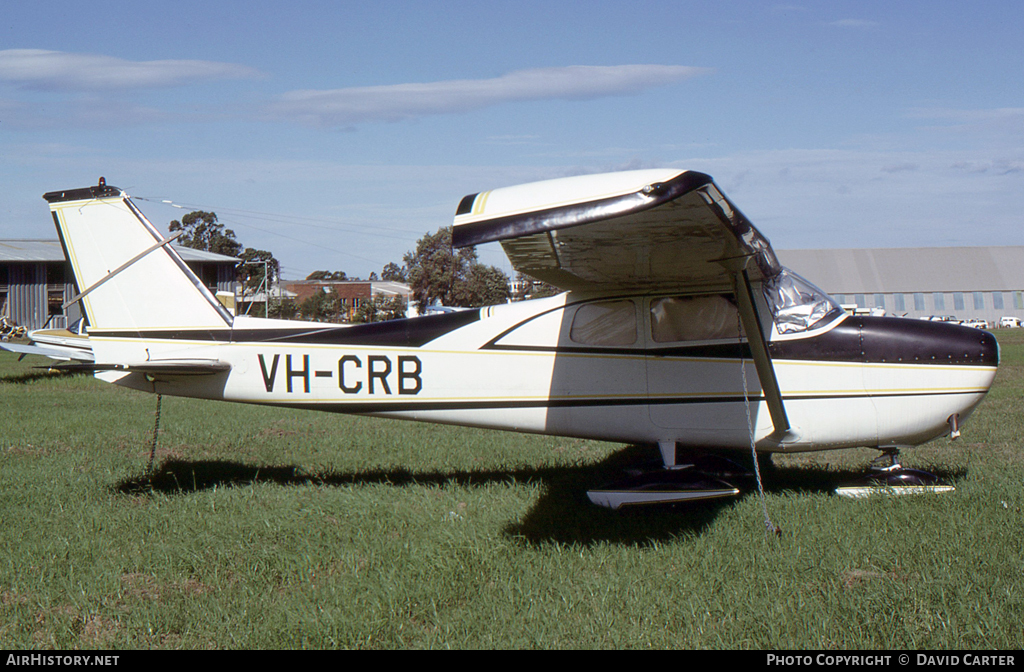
column 350, row 293
column 36, row 280
column 964, row 282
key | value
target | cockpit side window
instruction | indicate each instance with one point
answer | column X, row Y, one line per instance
column 797, row 305
column 694, row 318
column 604, row 323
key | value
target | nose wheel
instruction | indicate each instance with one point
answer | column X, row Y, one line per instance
column 886, row 476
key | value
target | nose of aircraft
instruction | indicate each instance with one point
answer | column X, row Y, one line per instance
column 946, row 369
column 923, row 377
column 893, row 339
column 931, row 378
column 889, row 340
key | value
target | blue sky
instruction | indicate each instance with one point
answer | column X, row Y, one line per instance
column 336, row 134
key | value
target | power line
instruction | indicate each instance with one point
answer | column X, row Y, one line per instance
column 300, row 220
column 286, row 219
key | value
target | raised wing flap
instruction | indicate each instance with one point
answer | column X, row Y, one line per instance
column 636, row 230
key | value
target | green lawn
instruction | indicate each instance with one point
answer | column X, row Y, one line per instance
column 276, row 528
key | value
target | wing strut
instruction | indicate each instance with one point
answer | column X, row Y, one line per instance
column 759, row 351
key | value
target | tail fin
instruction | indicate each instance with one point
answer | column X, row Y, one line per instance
column 129, row 278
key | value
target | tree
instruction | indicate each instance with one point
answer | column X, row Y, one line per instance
column 282, row 309
column 380, row 308
column 258, row 271
column 394, row 273
column 434, row 269
column 485, row 286
column 338, row 276
column 437, row 273
column 204, row 232
column 320, row 307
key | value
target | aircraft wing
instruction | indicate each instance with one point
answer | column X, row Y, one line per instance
column 52, row 353
column 636, row 230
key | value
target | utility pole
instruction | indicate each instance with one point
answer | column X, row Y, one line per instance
column 264, row 285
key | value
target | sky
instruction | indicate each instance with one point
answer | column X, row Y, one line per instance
column 336, row 134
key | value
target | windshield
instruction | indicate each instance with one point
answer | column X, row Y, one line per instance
column 79, row 326
column 797, row 305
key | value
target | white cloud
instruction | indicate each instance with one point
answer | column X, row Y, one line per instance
column 344, row 107
column 61, row 71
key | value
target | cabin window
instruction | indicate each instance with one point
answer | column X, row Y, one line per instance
column 797, row 305
column 694, row 318
column 604, row 323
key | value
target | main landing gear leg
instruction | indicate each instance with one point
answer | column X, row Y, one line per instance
column 677, row 481
column 887, row 476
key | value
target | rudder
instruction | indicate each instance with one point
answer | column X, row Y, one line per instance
column 101, row 230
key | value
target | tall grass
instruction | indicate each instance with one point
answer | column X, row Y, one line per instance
column 275, row 528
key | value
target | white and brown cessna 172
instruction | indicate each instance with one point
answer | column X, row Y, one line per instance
column 678, row 327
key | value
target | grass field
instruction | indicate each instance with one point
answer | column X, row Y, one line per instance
column 270, row 528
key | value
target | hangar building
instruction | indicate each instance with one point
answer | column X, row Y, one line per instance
column 965, row 282
column 35, row 279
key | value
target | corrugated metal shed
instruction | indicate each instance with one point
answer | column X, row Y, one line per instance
column 31, row 250
column 911, row 269
column 35, row 279
column 51, row 251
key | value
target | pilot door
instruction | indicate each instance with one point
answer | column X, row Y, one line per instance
column 696, row 357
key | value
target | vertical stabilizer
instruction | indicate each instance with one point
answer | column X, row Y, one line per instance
column 128, row 280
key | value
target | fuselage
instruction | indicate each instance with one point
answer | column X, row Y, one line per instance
column 649, row 368
column 680, row 327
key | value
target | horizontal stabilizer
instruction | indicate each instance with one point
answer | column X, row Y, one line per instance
column 52, row 353
column 167, row 367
